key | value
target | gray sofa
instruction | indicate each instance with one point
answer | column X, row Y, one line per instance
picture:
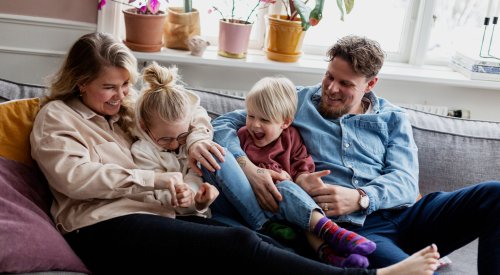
column 452, row 153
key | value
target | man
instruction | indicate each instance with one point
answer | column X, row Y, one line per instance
column 367, row 145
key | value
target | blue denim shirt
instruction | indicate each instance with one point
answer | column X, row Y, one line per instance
column 373, row 151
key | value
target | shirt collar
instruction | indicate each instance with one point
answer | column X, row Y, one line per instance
column 88, row 113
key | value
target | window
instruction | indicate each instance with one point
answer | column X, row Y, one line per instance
column 410, row 31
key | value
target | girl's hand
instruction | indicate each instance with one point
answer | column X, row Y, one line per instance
column 205, row 196
column 203, row 151
column 184, row 195
column 168, row 181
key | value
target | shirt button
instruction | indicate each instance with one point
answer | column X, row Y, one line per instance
column 349, row 165
column 347, row 145
column 356, row 181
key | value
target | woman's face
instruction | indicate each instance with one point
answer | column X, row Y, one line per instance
column 104, row 94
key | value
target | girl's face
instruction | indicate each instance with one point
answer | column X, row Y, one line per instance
column 264, row 131
column 104, row 94
column 168, row 135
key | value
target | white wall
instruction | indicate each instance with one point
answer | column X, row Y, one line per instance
column 32, row 48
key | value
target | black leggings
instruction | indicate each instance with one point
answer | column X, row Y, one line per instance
column 150, row 244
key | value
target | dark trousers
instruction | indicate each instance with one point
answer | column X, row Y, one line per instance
column 448, row 219
column 150, row 244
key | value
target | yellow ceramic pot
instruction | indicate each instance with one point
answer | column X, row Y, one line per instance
column 284, row 38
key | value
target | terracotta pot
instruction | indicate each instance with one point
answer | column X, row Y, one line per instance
column 234, row 36
column 143, row 32
column 180, row 26
column 284, row 38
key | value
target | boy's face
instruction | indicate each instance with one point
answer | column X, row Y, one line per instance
column 168, row 135
column 262, row 130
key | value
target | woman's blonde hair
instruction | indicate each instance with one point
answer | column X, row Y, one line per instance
column 164, row 97
column 85, row 61
column 275, row 98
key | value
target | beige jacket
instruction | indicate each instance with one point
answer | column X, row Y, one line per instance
column 89, row 167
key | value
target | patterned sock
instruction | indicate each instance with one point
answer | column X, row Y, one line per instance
column 342, row 240
column 327, row 255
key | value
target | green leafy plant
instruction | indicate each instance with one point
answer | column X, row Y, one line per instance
column 311, row 16
column 141, row 6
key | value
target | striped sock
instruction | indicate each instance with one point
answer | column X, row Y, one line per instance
column 327, row 255
column 342, row 240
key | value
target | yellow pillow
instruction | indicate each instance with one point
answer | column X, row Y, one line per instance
column 16, row 122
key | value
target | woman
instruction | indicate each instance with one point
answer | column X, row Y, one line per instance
column 105, row 206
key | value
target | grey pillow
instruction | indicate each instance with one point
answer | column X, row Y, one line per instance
column 454, row 152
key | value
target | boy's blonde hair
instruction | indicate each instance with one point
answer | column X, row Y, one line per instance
column 275, row 98
column 163, row 98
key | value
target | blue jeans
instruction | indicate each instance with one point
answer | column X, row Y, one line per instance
column 448, row 219
column 237, row 196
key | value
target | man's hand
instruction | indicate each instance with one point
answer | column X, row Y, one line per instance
column 262, row 182
column 336, row 200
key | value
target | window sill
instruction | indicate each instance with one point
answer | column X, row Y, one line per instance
column 313, row 64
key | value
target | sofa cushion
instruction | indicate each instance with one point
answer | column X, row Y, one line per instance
column 17, row 118
column 217, row 103
column 11, row 90
column 29, row 240
column 454, row 152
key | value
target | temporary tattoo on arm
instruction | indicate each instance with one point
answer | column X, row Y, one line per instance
column 242, row 162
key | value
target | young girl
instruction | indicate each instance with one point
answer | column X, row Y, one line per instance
column 270, row 142
column 164, row 113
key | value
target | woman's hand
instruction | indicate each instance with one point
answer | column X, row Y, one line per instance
column 262, row 182
column 169, row 180
column 203, row 151
column 205, row 196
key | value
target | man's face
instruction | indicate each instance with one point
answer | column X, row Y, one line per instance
column 343, row 89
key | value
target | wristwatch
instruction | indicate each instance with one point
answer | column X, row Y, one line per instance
column 364, row 201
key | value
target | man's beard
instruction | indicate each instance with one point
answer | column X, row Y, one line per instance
column 329, row 112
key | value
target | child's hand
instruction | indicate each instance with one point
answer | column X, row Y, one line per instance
column 310, row 181
column 168, row 181
column 184, row 195
column 284, row 176
column 205, row 196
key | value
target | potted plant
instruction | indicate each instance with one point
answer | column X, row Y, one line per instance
column 144, row 22
column 234, row 31
column 182, row 23
column 286, row 31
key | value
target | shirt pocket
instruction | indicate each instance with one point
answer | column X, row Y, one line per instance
column 371, row 136
column 111, row 153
